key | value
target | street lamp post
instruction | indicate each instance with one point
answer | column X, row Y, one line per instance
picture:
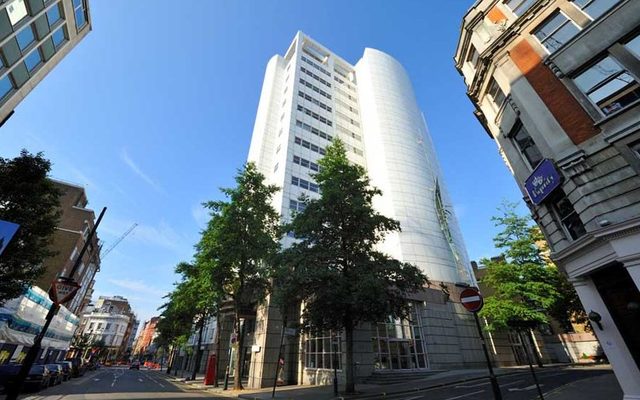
column 61, row 282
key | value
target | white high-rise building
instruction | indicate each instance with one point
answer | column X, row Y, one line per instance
column 309, row 97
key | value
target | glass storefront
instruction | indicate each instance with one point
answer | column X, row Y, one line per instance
column 398, row 343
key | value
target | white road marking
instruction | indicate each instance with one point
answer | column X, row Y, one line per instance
column 465, row 395
column 413, row 398
column 139, row 379
column 512, row 383
column 471, row 386
column 523, row 389
column 96, row 379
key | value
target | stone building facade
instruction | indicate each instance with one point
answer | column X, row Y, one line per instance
column 556, row 85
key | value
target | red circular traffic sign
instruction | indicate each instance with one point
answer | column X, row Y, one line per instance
column 471, row 299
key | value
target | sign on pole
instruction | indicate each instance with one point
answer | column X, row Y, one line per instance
column 62, row 290
column 471, row 299
column 7, row 230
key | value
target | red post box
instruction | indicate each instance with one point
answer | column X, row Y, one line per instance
column 211, row 374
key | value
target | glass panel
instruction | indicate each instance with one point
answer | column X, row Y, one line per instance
column 25, row 37
column 80, row 18
column 596, row 74
column 611, row 87
column 634, row 46
column 562, row 36
column 519, row 6
column 32, row 61
column 53, row 14
column 550, row 25
column 598, row 7
column 5, row 86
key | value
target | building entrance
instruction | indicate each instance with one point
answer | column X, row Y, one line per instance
column 398, row 343
column 621, row 295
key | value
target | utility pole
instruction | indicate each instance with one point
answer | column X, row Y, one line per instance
column 62, row 290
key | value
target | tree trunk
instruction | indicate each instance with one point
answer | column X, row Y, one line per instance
column 350, row 386
column 237, row 374
column 534, row 349
column 170, row 360
column 196, row 364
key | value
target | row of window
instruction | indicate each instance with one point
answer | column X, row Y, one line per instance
column 35, row 57
column 315, row 115
column 347, row 132
column 314, row 101
column 345, row 94
column 593, row 8
column 310, row 146
column 306, row 163
column 347, row 106
column 313, row 130
column 315, row 88
column 305, row 184
column 316, row 66
column 297, row 206
column 316, row 77
column 335, row 78
column 348, row 119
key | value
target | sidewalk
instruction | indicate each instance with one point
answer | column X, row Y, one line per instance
column 298, row 392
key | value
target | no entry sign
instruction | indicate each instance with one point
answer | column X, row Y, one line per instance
column 471, row 299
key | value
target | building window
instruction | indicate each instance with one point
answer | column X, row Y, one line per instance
column 608, row 85
column 634, row 46
column 297, row 206
column 595, row 8
column 6, row 86
column 556, row 31
column 53, row 14
column 526, row 145
column 323, row 351
column 17, row 10
column 519, row 6
column 25, row 37
column 495, row 94
column 635, row 148
column 568, row 216
column 473, row 56
column 79, row 10
column 33, row 60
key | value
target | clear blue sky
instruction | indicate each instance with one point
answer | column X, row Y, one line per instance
column 154, row 110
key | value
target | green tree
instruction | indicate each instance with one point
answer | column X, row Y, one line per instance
column 174, row 326
column 31, row 200
column 334, row 268
column 239, row 245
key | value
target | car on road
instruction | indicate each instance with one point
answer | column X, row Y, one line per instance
column 38, row 377
column 135, row 365
column 67, row 369
column 56, row 374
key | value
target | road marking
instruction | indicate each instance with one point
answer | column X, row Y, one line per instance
column 465, row 395
column 471, row 386
column 512, row 383
column 139, row 379
column 523, row 389
column 96, row 379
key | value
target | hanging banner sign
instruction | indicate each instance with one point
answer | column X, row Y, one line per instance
column 542, row 182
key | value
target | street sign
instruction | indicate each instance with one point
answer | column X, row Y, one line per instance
column 290, row 331
column 471, row 299
column 62, row 290
column 7, row 230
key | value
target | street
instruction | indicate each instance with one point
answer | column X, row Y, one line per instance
column 115, row 383
column 521, row 387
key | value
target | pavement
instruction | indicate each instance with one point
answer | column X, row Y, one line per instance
column 556, row 382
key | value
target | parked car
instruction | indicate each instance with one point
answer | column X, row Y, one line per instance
column 135, row 365
column 39, row 377
column 77, row 367
column 67, row 369
column 56, row 374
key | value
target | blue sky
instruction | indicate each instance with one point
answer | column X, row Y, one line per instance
column 154, row 110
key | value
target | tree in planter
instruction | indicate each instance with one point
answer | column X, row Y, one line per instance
column 333, row 268
column 31, row 200
column 239, row 245
column 526, row 286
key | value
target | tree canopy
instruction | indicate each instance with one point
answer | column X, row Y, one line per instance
column 30, row 199
column 525, row 284
column 333, row 267
column 239, row 246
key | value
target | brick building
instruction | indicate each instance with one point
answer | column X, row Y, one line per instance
column 555, row 84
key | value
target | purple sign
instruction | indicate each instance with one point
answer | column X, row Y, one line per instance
column 542, row 182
